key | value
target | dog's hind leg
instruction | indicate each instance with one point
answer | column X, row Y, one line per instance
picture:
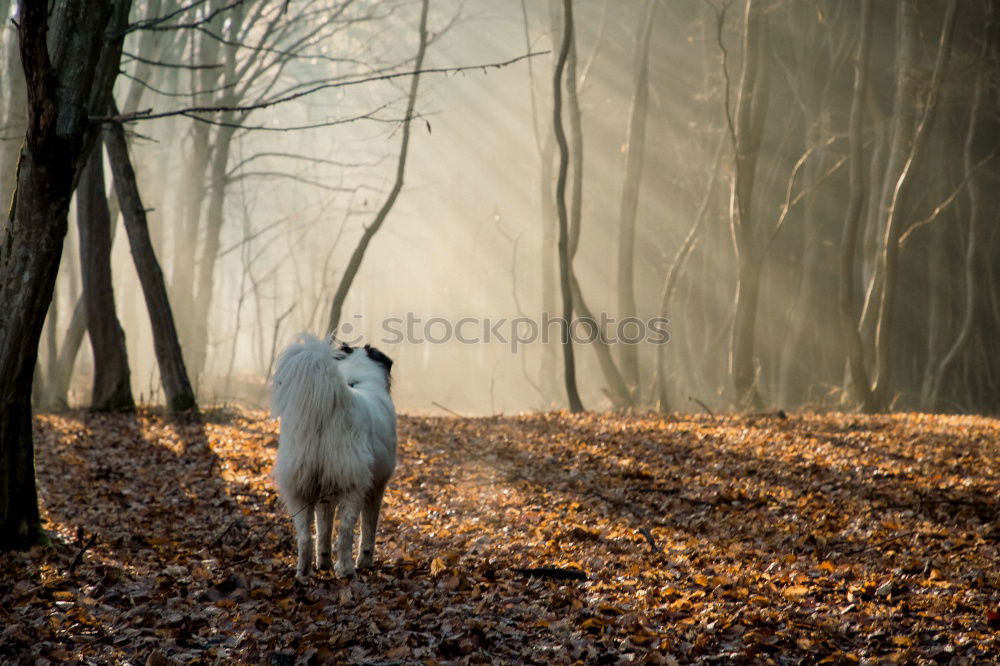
column 369, row 523
column 350, row 507
column 324, row 526
column 302, row 516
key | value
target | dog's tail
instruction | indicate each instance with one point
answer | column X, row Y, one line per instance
column 307, row 382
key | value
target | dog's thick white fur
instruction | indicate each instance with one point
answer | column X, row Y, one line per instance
column 337, row 447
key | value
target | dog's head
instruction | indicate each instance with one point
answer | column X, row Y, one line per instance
column 362, row 365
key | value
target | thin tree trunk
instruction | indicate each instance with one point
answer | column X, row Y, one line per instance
column 965, row 330
column 673, row 273
column 576, row 149
column 751, row 106
column 890, row 246
column 565, row 265
column 548, row 374
column 218, row 178
column 627, row 307
column 112, row 379
column 617, row 390
column 51, row 348
column 12, row 118
column 849, row 243
column 173, row 374
column 550, row 359
column 197, row 346
column 57, row 394
column 358, row 255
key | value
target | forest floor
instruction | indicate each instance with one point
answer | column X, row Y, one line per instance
column 545, row 538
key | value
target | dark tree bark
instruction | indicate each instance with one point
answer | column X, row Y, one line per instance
column 112, row 378
column 57, row 392
column 173, row 374
column 576, row 162
column 359, row 251
column 64, row 85
column 563, row 247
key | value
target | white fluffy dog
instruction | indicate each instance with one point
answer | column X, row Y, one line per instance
column 337, row 447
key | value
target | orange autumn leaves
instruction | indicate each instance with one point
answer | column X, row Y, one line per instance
column 545, row 538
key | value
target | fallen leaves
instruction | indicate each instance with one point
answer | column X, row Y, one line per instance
column 547, row 538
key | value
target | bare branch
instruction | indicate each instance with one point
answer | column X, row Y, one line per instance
column 176, row 65
column 149, row 115
column 157, row 23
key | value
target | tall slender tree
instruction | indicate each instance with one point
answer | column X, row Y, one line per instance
column 563, row 243
column 112, row 388
column 747, row 124
column 173, row 372
column 635, row 155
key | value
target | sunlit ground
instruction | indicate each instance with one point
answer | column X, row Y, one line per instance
column 747, row 538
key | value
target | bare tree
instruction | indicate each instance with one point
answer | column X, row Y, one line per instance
column 855, row 198
column 747, row 129
column 60, row 100
column 636, row 147
column 173, row 373
column 936, row 377
column 909, row 135
column 563, row 244
column 112, row 388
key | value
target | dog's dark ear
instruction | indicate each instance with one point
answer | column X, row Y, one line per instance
column 377, row 356
column 346, row 348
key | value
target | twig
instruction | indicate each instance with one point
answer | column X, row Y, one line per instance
column 644, row 531
column 440, row 406
column 879, row 544
column 557, row 573
column 79, row 556
column 235, row 522
column 703, row 405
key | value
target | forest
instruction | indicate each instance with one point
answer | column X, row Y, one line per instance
column 692, row 306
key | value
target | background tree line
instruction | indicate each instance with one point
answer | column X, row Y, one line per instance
column 834, row 250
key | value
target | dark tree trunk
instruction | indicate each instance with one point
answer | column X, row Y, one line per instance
column 563, row 244
column 57, row 393
column 60, row 99
column 112, row 379
column 173, row 374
